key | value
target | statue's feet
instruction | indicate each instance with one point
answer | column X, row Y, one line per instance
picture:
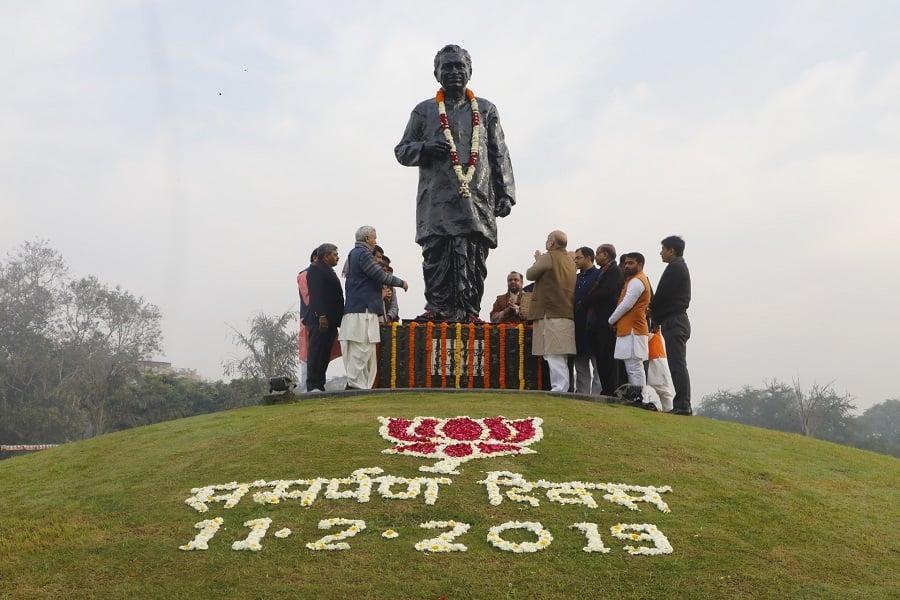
column 430, row 315
column 474, row 319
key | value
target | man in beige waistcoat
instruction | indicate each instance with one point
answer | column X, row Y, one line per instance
column 551, row 308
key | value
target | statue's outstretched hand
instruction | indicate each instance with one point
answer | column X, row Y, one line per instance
column 502, row 207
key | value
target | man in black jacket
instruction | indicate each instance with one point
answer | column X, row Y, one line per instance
column 668, row 309
column 601, row 302
column 326, row 309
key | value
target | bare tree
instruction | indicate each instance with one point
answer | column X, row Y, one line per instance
column 271, row 348
column 820, row 409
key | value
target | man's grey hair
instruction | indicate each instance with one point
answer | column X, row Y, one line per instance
column 325, row 249
column 363, row 232
column 452, row 49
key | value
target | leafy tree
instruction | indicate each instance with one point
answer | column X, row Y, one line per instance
column 769, row 407
column 106, row 332
column 68, row 349
column 271, row 348
column 878, row 428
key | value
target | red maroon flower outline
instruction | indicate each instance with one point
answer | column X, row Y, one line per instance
column 459, row 439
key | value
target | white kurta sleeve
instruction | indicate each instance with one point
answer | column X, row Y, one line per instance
column 632, row 293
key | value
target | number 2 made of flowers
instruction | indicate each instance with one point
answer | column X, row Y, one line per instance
column 442, row 543
column 334, row 541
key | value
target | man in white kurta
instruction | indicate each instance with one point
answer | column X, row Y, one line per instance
column 360, row 330
column 630, row 319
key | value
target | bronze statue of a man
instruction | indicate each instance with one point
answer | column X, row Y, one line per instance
column 465, row 183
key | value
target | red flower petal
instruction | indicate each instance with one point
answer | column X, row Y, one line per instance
column 525, row 430
column 425, row 429
column 458, row 450
column 420, row 447
column 463, row 428
column 487, row 448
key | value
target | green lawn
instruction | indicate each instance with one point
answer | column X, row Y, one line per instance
column 754, row 513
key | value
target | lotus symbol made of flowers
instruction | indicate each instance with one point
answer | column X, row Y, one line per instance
column 459, row 439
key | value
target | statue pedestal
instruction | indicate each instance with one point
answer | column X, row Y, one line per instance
column 459, row 355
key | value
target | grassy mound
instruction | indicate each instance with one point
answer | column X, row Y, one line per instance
column 754, row 513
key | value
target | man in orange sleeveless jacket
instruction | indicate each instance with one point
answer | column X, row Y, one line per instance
column 630, row 319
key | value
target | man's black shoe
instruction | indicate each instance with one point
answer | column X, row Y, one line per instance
column 681, row 411
column 641, row 404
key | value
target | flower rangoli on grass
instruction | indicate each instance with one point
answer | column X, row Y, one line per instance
column 459, row 439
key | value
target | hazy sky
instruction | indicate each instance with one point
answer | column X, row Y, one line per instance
column 195, row 152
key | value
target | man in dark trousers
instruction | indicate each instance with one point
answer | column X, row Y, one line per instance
column 601, row 301
column 326, row 309
column 668, row 310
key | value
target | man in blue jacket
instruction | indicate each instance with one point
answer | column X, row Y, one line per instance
column 360, row 331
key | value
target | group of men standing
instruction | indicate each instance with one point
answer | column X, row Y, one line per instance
column 602, row 313
column 598, row 314
column 324, row 309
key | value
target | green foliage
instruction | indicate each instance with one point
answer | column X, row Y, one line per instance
column 818, row 412
column 878, row 428
column 754, row 513
column 770, row 407
column 68, row 348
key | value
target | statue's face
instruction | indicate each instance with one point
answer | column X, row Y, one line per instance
column 452, row 72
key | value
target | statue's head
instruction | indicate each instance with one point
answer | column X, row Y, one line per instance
column 452, row 64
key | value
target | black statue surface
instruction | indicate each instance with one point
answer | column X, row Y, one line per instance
column 463, row 187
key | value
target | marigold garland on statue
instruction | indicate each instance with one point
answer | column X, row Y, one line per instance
column 464, row 178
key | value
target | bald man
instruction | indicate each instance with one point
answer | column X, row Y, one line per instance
column 551, row 308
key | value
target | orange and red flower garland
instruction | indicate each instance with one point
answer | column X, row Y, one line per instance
column 502, row 361
column 429, row 338
column 443, row 355
column 412, row 355
column 471, row 366
column 486, row 359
